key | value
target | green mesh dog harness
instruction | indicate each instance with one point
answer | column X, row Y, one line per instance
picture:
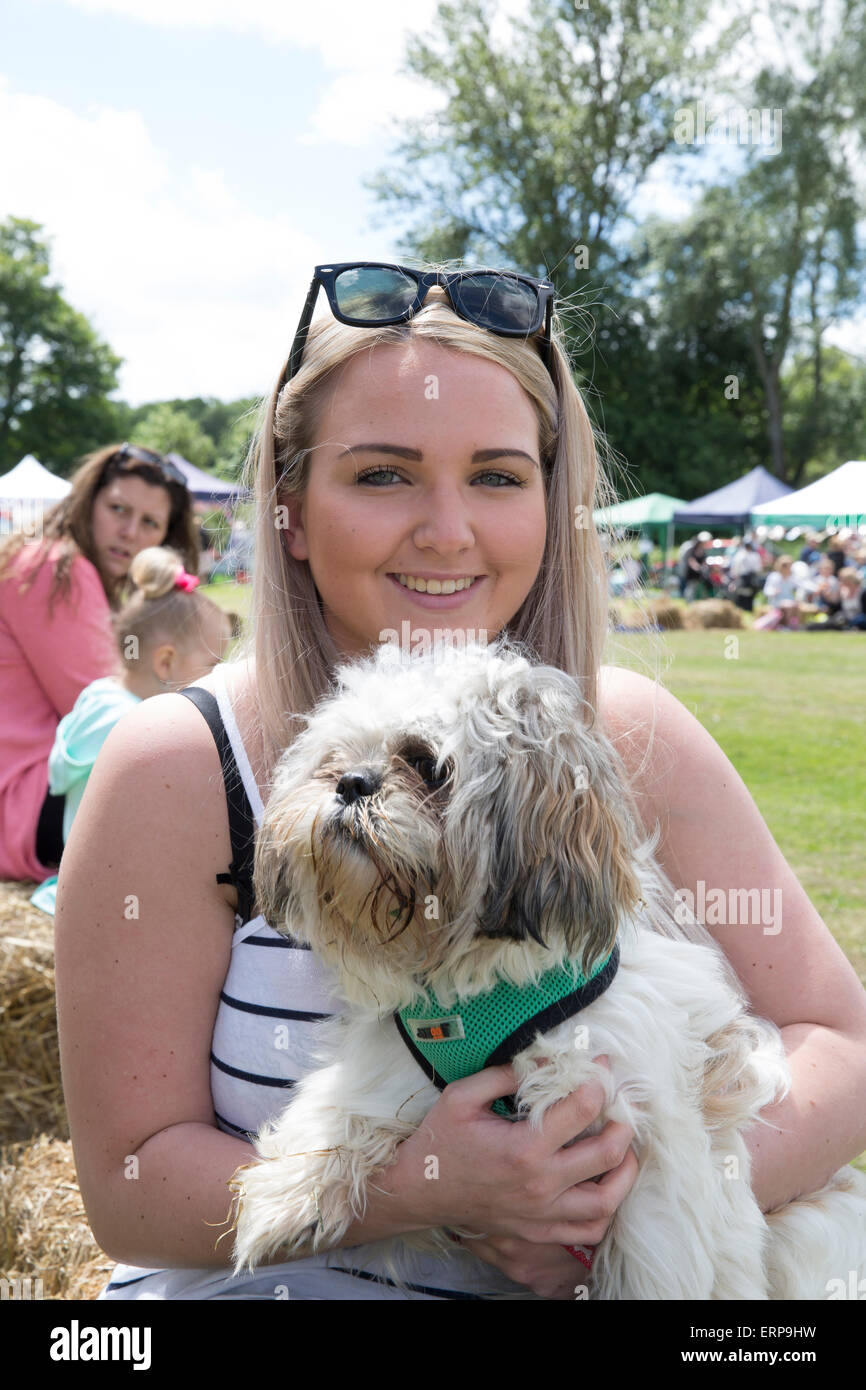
column 488, row 1030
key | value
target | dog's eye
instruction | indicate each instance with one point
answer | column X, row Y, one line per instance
column 424, row 763
column 426, row 768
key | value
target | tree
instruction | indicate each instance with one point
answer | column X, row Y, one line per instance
column 210, row 433
column 170, row 429
column 777, row 253
column 843, row 429
column 543, row 146
column 55, row 373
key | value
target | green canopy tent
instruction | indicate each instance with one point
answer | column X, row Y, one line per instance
column 653, row 513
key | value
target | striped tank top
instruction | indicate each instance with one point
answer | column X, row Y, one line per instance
column 274, row 984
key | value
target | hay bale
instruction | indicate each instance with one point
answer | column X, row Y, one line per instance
column 666, row 614
column 638, row 615
column 44, row 1232
column 713, row 612
column 31, row 1096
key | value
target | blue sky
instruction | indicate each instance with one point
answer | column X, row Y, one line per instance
column 192, row 174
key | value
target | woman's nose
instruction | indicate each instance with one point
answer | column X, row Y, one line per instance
column 446, row 520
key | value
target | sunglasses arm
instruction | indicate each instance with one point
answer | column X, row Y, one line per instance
column 301, row 334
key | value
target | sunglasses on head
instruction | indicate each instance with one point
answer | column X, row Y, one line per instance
column 136, row 455
column 372, row 294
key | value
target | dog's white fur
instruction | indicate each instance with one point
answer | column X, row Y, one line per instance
column 531, row 852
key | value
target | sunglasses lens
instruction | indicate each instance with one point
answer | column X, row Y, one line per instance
column 497, row 302
column 368, row 293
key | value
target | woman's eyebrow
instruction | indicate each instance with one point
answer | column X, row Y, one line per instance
column 480, row 455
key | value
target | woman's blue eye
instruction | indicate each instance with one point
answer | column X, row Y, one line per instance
column 378, row 472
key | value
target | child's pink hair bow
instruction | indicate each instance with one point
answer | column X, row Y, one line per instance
column 186, row 581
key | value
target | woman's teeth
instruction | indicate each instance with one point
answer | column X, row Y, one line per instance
column 435, row 586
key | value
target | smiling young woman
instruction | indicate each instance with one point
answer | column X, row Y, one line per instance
column 428, row 448
column 56, row 598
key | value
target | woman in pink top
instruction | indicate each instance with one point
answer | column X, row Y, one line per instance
column 55, row 633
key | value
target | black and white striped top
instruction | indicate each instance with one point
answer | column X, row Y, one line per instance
column 273, row 995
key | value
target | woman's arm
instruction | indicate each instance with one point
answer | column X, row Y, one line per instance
column 70, row 644
column 791, row 968
column 143, row 938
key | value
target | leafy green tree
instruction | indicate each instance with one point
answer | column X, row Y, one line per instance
column 55, row 373
column 776, row 255
column 843, row 395
column 542, row 145
column 167, row 427
column 234, row 440
column 216, row 431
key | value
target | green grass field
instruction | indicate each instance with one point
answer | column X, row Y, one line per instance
column 789, row 710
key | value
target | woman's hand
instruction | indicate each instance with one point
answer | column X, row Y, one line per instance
column 548, row 1270
column 521, row 1190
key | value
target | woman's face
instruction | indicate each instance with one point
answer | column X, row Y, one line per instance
column 128, row 515
column 426, row 464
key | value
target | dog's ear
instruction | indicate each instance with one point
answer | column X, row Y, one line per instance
column 561, row 868
column 276, row 898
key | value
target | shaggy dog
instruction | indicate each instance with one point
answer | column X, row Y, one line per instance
column 453, row 828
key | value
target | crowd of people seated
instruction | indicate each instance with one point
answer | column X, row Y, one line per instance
column 822, row 587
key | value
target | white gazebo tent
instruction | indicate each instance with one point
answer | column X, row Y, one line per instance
column 836, row 502
column 25, row 491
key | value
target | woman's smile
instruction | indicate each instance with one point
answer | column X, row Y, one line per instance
column 438, row 594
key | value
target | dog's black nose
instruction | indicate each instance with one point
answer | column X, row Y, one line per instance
column 354, row 785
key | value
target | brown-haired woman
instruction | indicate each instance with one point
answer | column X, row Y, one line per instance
column 56, row 600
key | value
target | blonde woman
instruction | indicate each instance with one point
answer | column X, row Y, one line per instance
column 420, row 432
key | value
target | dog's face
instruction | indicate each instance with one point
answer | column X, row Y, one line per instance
column 447, row 807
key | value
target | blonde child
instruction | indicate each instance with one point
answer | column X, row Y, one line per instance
column 167, row 636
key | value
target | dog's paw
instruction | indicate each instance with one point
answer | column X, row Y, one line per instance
column 276, row 1211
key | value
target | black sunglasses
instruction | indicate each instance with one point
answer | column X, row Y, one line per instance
column 372, row 294
column 132, row 452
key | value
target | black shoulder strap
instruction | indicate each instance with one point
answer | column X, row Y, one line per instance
column 241, row 823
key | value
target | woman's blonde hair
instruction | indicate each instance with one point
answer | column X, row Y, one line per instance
column 564, row 618
column 158, row 611
column 70, row 523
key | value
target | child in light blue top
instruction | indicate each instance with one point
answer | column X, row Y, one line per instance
column 168, row 637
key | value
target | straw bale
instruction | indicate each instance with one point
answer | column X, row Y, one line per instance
column 44, row 1232
column 31, row 1098
column 713, row 612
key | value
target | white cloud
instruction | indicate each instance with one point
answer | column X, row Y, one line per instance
column 363, row 44
column 348, row 34
column 200, row 294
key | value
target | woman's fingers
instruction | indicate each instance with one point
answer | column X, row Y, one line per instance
column 594, row 1156
column 584, row 1213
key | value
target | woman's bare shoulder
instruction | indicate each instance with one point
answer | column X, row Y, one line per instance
column 636, row 713
column 663, row 747
column 158, row 778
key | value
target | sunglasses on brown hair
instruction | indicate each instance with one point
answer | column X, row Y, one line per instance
column 169, row 470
